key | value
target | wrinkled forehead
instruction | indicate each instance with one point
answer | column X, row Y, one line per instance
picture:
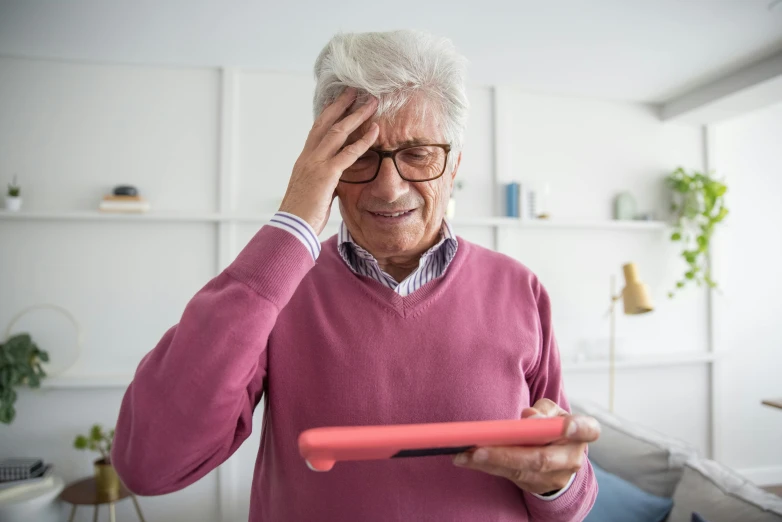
column 417, row 121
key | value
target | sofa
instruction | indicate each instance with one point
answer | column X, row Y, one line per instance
column 665, row 467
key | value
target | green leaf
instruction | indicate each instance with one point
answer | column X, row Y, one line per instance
column 676, row 236
column 81, row 442
column 96, row 433
column 680, row 284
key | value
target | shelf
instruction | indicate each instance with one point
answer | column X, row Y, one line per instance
column 213, row 217
column 122, row 381
column 94, row 215
column 66, row 382
column 554, row 224
column 641, row 362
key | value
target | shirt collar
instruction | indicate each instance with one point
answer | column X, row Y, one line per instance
column 345, row 241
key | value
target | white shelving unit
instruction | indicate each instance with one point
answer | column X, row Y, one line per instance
column 216, row 217
column 635, row 363
column 86, row 382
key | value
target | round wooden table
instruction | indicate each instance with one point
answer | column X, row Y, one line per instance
column 84, row 493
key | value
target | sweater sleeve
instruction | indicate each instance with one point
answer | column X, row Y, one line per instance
column 191, row 401
column 546, row 383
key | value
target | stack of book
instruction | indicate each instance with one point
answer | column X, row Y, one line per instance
column 18, row 476
column 123, row 204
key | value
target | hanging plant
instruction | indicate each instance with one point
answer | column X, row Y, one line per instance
column 698, row 205
column 20, row 365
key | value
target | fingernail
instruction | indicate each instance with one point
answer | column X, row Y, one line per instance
column 480, row 455
column 572, row 428
column 537, row 416
column 460, row 460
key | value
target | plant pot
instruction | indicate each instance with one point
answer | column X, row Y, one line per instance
column 13, row 203
column 106, row 478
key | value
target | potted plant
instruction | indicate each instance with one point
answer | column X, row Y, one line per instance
column 106, row 478
column 698, row 206
column 13, row 200
column 450, row 210
column 20, row 364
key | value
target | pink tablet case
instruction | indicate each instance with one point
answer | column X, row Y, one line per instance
column 322, row 447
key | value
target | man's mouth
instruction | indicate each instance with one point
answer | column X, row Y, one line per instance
column 391, row 214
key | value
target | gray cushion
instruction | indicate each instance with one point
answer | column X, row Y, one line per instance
column 641, row 456
column 718, row 494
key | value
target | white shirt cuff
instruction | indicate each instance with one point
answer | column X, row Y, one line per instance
column 300, row 229
column 559, row 493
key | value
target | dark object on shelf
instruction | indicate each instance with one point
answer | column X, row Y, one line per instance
column 85, row 493
column 20, row 469
column 125, row 190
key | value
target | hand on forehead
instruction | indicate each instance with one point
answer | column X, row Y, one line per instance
column 414, row 124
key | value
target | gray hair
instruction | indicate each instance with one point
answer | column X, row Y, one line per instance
column 393, row 67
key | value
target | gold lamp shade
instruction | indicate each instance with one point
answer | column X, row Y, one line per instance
column 635, row 293
column 636, row 299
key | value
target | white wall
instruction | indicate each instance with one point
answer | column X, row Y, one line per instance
column 71, row 131
column 587, row 151
column 748, row 153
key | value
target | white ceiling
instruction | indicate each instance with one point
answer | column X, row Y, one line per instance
column 643, row 50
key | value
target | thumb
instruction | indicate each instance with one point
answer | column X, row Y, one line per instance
column 531, row 413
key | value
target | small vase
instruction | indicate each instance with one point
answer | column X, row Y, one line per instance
column 624, row 207
column 13, row 203
column 106, row 478
column 450, row 210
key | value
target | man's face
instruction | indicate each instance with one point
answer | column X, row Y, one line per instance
column 424, row 203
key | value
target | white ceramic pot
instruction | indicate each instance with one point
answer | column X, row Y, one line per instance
column 14, row 204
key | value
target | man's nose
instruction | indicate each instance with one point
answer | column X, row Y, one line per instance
column 388, row 185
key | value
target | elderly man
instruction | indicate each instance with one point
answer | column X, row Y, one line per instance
column 395, row 320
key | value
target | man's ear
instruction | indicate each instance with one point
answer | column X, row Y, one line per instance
column 456, row 167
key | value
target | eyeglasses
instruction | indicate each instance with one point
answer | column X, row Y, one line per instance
column 414, row 163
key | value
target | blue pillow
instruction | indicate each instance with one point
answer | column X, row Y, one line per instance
column 619, row 501
column 697, row 518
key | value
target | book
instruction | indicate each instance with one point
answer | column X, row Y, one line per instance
column 123, row 206
column 20, row 468
column 11, row 489
column 110, row 197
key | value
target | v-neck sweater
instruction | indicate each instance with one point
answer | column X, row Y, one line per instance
column 328, row 347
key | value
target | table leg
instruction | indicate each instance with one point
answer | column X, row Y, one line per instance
column 73, row 513
column 95, row 514
column 112, row 514
column 138, row 508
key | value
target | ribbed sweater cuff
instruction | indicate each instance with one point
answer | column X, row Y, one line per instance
column 273, row 264
column 574, row 504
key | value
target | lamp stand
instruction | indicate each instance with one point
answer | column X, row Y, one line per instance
column 612, row 345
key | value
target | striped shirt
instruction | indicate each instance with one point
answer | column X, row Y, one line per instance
column 432, row 264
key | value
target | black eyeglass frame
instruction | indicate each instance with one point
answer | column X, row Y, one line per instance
column 392, row 154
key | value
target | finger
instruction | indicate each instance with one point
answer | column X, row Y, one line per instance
column 531, row 413
column 580, row 428
column 515, row 461
column 330, row 114
column 335, row 137
column 352, row 152
column 549, row 408
column 527, row 479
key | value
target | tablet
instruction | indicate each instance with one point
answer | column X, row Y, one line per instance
column 323, row 447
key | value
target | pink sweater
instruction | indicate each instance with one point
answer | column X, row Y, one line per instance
column 328, row 347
